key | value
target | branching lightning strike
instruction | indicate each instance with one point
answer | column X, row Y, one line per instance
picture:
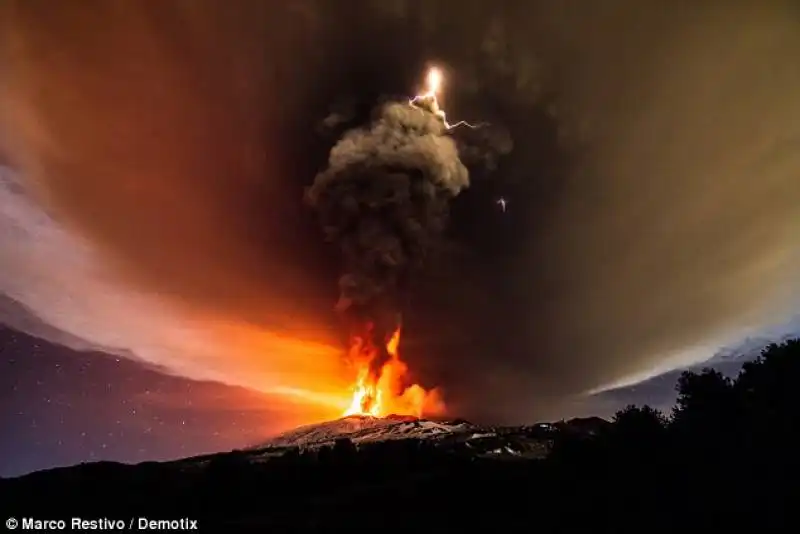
column 429, row 101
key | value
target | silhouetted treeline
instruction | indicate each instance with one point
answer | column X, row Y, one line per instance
column 727, row 457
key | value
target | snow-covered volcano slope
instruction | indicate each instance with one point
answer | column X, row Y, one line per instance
column 454, row 435
column 361, row 429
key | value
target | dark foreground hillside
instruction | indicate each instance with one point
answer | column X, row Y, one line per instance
column 726, row 458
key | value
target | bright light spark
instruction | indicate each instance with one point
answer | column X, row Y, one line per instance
column 429, row 101
column 434, row 81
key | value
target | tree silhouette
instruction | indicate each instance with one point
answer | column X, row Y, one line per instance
column 640, row 427
column 767, row 385
column 705, row 392
column 706, row 408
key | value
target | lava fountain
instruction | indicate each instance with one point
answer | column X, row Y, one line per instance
column 386, row 392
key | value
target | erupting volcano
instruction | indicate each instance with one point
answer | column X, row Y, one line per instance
column 384, row 199
column 385, row 392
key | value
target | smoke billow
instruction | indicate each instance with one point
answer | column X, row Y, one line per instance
column 165, row 147
column 384, row 200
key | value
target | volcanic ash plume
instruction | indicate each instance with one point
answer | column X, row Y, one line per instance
column 384, row 199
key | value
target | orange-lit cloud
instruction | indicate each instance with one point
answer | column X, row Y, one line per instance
column 653, row 192
column 62, row 278
column 137, row 230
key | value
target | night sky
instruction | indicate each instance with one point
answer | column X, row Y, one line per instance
column 154, row 159
column 61, row 407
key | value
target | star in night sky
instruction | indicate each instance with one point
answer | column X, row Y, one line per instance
column 62, row 407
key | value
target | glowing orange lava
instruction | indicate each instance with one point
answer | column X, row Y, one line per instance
column 385, row 394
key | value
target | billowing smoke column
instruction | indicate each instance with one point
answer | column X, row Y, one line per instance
column 384, row 199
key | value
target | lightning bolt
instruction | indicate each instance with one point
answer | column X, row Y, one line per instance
column 428, row 100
